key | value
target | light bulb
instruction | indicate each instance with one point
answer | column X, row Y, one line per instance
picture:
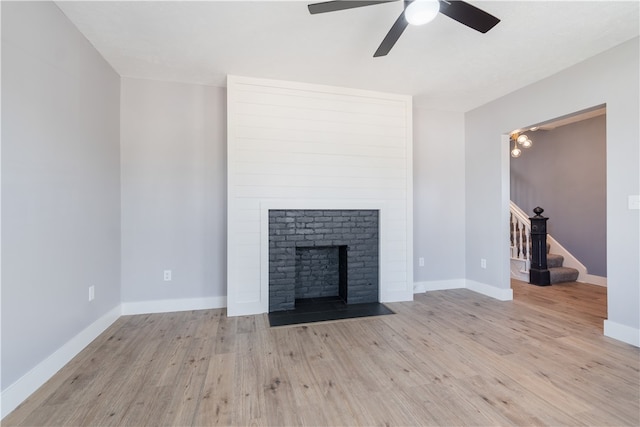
column 527, row 143
column 516, row 151
column 522, row 139
column 421, row 11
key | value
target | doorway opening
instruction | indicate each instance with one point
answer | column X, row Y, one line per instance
column 564, row 172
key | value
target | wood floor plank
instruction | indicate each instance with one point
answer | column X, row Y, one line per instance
column 217, row 401
column 226, row 334
column 248, row 374
column 448, row 358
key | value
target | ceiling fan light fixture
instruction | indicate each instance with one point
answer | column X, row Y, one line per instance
column 420, row 12
column 416, row 12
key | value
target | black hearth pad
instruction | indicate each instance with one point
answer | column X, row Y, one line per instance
column 309, row 311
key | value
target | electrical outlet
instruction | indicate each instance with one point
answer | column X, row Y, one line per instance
column 421, row 262
column 92, row 293
column 167, row 275
column 634, row 202
column 483, row 263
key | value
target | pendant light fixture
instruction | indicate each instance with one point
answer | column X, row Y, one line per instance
column 516, row 151
column 519, row 139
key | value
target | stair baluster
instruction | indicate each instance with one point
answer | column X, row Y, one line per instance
column 520, row 239
column 527, row 248
column 521, row 231
column 512, row 230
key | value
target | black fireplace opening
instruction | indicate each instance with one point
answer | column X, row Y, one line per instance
column 321, row 272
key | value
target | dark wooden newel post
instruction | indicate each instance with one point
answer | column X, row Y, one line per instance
column 538, row 273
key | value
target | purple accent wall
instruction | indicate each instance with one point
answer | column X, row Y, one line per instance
column 564, row 172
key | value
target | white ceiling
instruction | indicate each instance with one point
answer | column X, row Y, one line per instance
column 444, row 64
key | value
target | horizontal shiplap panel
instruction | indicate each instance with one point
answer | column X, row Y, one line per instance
column 399, row 256
column 398, row 266
column 396, row 246
column 345, row 171
column 249, row 262
column 320, row 100
column 252, row 226
column 396, row 284
column 242, row 239
column 249, row 266
column 317, row 181
column 397, row 225
column 319, row 193
column 305, row 112
column 371, row 129
column 325, row 137
column 247, row 289
column 283, row 159
column 313, row 148
column 395, row 234
column 246, row 205
column 246, row 215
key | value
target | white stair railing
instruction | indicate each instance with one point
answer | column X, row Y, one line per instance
column 520, row 228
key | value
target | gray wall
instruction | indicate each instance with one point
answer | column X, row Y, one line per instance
column 611, row 78
column 60, row 185
column 173, row 150
column 564, row 172
column 438, row 195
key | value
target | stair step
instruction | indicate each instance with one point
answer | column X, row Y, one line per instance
column 554, row 260
column 563, row 274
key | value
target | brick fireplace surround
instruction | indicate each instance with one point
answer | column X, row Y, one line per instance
column 305, row 248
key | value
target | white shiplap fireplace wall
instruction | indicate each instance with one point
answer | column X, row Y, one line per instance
column 302, row 146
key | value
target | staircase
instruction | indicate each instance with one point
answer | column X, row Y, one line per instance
column 557, row 272
column 521, row 251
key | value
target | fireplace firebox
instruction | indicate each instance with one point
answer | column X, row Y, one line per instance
column 321, row 272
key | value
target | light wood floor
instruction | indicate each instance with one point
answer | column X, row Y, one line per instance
column 448, row 358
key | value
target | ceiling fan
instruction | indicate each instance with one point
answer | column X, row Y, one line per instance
column 416, row 12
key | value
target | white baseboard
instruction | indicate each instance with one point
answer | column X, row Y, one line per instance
column 438, row 285
column 622, row 333
column 594, row 280
column 490, row 291
column 17, row 392
column 170, row 305
column 482, row 288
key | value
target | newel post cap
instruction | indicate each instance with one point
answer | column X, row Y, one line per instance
column 538, row 211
